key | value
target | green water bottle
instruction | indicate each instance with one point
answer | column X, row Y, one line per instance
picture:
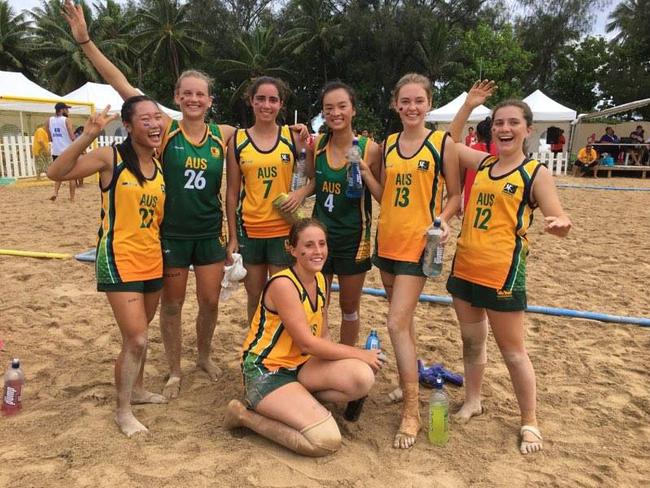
column 438, row 414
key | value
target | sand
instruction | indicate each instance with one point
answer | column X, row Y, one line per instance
column 594, row 402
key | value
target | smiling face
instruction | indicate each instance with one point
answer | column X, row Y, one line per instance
column 412, row 104
column 146, row 124
column 338, row 110
column 510, row 129
column 310, row 250
column 193, row 97
column 266, row 103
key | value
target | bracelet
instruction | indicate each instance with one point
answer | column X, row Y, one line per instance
column 85, row 42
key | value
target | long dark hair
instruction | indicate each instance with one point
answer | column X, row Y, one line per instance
column 126, row 150
column 484, row 132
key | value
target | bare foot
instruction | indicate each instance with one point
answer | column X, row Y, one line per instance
column 143, row 396
column 234, row 412
column 407, row 433
column 172, row 388
column 466, row 412
column 396, row 395
column 128, row 424
column 214, row 371
column 531, row 439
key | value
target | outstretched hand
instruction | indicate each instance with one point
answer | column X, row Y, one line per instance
column 480, row 92
column 557, row 225
column 74, row 14
column 97, row 121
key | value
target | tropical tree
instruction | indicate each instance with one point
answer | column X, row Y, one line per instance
column 166, row 34
column 14, row 39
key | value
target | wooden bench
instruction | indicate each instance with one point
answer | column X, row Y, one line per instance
column 608, row 169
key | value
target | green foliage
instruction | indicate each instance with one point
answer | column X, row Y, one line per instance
column 14, row 32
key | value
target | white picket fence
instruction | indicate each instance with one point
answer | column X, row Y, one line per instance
column 17, row 160
column 557, row 164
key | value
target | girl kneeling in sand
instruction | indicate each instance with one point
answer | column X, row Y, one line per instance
column 129, row 257
column 289, row 362
column 487, row 280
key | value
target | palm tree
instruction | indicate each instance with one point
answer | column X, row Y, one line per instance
column 14, row 32
column 63, row 64
column 629, row 18
column 257, row 54
column 166, row 33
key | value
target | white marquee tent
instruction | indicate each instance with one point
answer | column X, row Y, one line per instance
column 447, row 112
column 102, row 95
column 547, row 112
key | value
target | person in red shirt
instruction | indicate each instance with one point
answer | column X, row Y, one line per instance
column 470, row 138
column 558, row 147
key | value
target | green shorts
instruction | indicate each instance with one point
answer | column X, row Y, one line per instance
column 147, row 286
column 259, row 384
column 180, row 253
column 395, row 267
column 483, row 297
column 272, row 250
column 345, row 266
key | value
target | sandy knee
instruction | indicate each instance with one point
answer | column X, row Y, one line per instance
column 324, row 435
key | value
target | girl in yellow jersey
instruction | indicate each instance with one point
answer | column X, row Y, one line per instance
column 289, row 362
column 487, row 280
column 418, row 164
column 129, row 264
column 260, row 163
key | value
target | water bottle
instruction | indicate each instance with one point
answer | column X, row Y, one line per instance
column 355, row 185
column 12, row 392
column 438, row 415
column 433, row 250
column 299, row 178
column 353, row 410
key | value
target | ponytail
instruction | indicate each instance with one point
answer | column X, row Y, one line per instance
column 130, row 159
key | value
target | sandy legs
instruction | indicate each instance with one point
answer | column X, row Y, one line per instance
column 133, row 312
column 350, row 303
column 208, row 288
column 57, row 186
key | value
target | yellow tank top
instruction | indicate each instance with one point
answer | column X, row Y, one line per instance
column 268, row 345
column 265, row 174
column 412, row 197
column 492, row 247
column 128, row 248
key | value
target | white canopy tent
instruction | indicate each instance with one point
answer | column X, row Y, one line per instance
column 102, row 95
column 547, row 112
column 447, row 112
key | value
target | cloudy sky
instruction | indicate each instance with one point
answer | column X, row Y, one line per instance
column 599, row 25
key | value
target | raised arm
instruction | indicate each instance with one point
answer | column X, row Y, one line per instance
column 478, row 94
column 233, row 184
column 71, row 165
column 282, row 296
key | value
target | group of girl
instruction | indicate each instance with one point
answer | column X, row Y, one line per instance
column 174, row 169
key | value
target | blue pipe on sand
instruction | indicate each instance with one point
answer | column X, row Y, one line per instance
column 561, row 312
column 596, row 187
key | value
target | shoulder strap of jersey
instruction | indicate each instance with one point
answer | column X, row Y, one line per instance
column 321, row 143
column 488, row 160
column 390, row 144
column 286, row 136
column 363, row 146
column 215, row 134
column 435, row 142
column 241, row 141
column 172, row 129
column 528, row 170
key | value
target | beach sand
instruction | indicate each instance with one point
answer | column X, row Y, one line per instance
column 592, row 377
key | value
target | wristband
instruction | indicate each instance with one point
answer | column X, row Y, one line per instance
column 85, row 42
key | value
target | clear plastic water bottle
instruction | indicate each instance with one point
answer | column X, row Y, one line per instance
column 12, row 392
column 353, row 410
column 438, row 414
column 299, row 178
column 433, row 250
column 355, row 184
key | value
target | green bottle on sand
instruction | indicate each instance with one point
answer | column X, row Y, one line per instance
column 438, row 415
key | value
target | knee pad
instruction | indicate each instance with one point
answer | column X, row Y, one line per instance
column 351, row 316
column 474, row 335
column 324, row 435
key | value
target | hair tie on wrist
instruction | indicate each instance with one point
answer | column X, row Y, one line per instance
column 85, row 42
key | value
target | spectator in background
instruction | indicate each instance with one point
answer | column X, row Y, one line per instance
column 558, row 146
column 59, row 128
column 587, row 159
column 41, row 150
column 637, row 152
column 610, row 138
column 470, row 138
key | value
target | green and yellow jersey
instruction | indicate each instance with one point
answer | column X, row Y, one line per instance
column 193, row 174
column 128, row 248
column 412, row 197
column 347, row 220
column 268, row 345
column 492, row 246
column 265, row 175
